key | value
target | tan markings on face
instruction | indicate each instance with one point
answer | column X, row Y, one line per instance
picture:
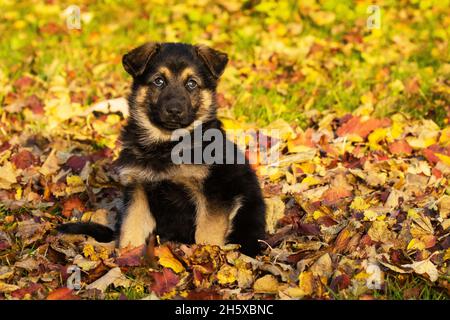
column 153, row 133
column 138, row 222
column 189, row 73
column 166, row 72
column 204, row 111
column 141, row 95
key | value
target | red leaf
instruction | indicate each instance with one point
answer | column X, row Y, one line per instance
column 4, row 244
column 437, row 173
column 71, row 204
column 20, row 293
column 24, row 159
column 307, row 229
column 340, row 282
column 4, row 146
column 326, row 221
column 165, row 281
column 23, row 82
column 204, row 295
column 400, row 147
column 35, row 104
column 365, row 241
column 430, row 156
column 76, row 163
column 131, row 258
column 62, row 294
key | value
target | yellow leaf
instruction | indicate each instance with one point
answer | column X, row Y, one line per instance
column 445, row 159
column 396, row 129
column 306, row 282
column 370, row 215
column 306, row 167
column 166, row 259
column 7, row 175
column 376, row 137
column 415, row 244
column 74, row 180
column 227, row 274
column 74, row 185
column 447, row 254
column 413, row 214
column 359, row 204
column 297, row 148
column 361, row 276
column 310, row 181
column 445, row 136
column 284, row 129
column 266, row 284
column 379, row 232
column 19, row 192
column 317, row 214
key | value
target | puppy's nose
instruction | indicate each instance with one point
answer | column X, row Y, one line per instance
column 175, row 110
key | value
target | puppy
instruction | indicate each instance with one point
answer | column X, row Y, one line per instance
column 174, row 87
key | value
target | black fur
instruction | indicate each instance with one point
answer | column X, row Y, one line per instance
column 97, row 231
column 170, row 203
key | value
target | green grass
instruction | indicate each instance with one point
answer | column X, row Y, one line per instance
column 397, row 289
column 269, row 44
column 401, row 287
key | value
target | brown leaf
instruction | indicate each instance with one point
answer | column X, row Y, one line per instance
column 342, row 241
column 332, row 196
column 131, row 258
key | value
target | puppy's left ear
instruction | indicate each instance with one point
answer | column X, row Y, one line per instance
column 135, row 61
column 214, row 60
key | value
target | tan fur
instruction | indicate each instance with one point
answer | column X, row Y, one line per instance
column 166, row 72
column 212, row 221
column 205, row 105
column 154, row 134
column 138, row 221
column 180, row 174
column 141, row 95
column 189, row 73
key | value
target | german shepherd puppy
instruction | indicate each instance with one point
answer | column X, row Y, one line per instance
column 174, row 87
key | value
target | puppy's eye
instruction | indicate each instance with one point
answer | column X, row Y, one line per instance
column 191, row 84
column 159, row 82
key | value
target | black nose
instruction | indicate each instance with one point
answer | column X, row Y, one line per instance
column 175, row 110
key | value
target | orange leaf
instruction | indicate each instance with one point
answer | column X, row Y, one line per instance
column 400, row 147
column 62, row 294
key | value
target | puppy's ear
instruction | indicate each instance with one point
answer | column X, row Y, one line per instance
column 214, row 60
column 135, row 61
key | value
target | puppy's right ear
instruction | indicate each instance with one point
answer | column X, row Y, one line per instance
column 137, row 59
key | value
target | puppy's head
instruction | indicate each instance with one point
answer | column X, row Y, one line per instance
column 173, row 84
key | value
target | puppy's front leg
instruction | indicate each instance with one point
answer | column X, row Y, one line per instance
column 138, row 222
column 213, row 222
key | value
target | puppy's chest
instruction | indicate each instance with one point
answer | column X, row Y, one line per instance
column 192, row 178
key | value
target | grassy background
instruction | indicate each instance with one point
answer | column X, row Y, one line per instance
column 287, row 57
